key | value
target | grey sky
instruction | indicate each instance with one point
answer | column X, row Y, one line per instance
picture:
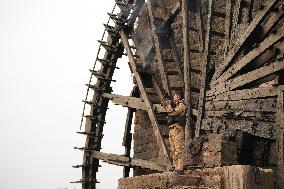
column 46, row 49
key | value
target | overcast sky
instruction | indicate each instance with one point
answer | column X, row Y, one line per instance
column 46, row 49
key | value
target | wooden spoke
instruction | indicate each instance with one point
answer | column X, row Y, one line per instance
column 267, row 43
column 247, row 78
column 241, row 40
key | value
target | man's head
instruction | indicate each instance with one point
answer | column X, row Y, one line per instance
column 177, row 97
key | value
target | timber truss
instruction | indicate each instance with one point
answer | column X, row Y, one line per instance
column 239, row 90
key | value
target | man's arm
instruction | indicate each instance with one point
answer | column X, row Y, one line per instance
column 179, row 109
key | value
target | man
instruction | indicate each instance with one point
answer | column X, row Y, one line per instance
column 176, row 120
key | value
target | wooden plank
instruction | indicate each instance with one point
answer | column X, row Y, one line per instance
column 256, row 105
column 272, row 21
column 186, row 68
column 132, row 102
column 206, row 60
column 247, row 78
column 280, row 140
column 127, row 136
column 260, row 92
column 243, row 38
column 255, row 127
column 267, row 43
column 228, row 24
column 147, row 103
column 127, row 139
column 120, row 160
column 159, row 55
column 239, row 115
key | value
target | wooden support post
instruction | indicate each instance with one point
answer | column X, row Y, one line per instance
column 206, row 61
column 187, row 70
column 280, row 139
column 127, row 137
column 145, row 98
column 228, row 24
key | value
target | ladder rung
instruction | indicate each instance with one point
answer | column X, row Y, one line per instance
column 85, row 133
column 120, row 3
column 84, row 149
column 96, row 74
column 111, row 66
column 84, row 181
column 107, row 80
column 106, row 46
column 86, row 165
column 115, row 17
column 103, row 61
column 88, row 102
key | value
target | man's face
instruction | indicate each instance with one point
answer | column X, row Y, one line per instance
column 176, row 98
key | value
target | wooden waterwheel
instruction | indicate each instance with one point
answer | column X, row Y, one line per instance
column 227, row 57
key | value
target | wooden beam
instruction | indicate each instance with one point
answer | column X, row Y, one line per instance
column 256, row 105
column 120, row 160
column 137, row 103
column 228, row 24
column 254, row 127
column 267, row 43
column 280, row 140
column 260, row 92
column 186, row 68
column 272, row 21
column 159, row 55
column 204, row 79
column 145, row 98
column 243, row 38
column 247, row 78
column 127, row 137
column 132, row 102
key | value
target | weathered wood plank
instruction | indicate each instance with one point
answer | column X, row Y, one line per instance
column 120, row 160
column 147, row 103
column 186, row 68
column 261, row 92
column 255, row 127
column 256, row 105
column 280, row 140
column 247, row 78
column 204, row 80
column 272, row 21
column 267, row 43
column 159, row 54
column 132, row 102
column 228, row 24
column 243, row 38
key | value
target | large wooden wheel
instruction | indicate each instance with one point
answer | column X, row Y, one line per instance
column 227, row 57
